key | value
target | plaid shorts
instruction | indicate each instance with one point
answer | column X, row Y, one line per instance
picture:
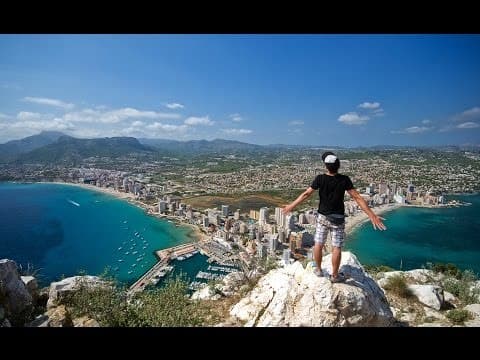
column 324, row 226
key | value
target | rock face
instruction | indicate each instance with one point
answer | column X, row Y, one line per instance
column 59, row 317
column 294, row 296
column 206, row 293
column 31, row 284
column 85, row 321
column 430, row 295
column 14, row 296
column 58, row 290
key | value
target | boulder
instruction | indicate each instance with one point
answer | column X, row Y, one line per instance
column 31, row 284
column 430, row 295
column 474, row 309
column 5, row 323
column 59, row 317
column 420, row 276
column 206, row 293
column 85, row 321
column 14, row 295
column 449, row 297
column 58, row 290
column 40, row 321
column 231, row 283
column 437, row 315
column 294, row 296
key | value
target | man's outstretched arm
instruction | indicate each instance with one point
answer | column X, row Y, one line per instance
column 302, row 197
column 374, row 218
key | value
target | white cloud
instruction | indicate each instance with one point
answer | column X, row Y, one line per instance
column 116, row 116
column 27, row 115
column 138, row 123
column 3, row 116
column 205, row 120
column 237, row 131
column 166, row 127
column 174, row 106
column 468, row 125
column 296, row 123
column 352, row 118
column 369, row 105
column 47, row 101
column 235, row 117
column 470, row 114
column 426, row 122
column 412, row 130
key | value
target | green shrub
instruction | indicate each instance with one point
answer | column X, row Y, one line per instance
column 373, row 269
column 461, row 288
column 459, row 316
column 165, row 306
column 447, row 269
column 398, row 285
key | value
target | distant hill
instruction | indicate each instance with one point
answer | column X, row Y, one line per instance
column 200, row 146
column 13, row 148
column 68, row 149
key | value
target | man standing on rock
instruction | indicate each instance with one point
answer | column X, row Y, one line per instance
column 331, row 212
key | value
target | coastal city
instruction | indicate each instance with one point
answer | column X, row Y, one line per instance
column 257, row 234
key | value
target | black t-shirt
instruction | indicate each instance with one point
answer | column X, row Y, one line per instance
column 331, row 190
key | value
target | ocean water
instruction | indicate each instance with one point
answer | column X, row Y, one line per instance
column 416, row 236
column 41, row 225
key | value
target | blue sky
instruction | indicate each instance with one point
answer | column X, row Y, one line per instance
column 345, row 90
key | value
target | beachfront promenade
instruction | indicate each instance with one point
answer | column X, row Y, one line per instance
column 164, row 257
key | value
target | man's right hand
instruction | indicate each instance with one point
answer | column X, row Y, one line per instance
column 377, row 222
column 287, row 209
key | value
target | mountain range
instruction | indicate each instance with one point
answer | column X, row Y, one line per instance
column 56, row 147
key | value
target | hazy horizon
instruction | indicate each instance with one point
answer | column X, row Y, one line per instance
column 343, row 90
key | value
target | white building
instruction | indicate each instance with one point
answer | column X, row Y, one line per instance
column 225, row 210
column 263, row 217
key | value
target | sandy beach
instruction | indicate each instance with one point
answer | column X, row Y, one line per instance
column 352, row 222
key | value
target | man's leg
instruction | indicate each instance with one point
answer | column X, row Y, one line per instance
column 336, row 258
column 317, row 254
column 338, row 237
column 321, row 232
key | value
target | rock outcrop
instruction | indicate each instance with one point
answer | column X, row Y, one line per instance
column 294, row 296
column 14, row 295
column 59, row 290
column 430, row 295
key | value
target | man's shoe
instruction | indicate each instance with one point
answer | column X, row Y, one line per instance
column 338, row 279
column 318, row 272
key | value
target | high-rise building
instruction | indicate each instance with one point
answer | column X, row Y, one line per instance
column 382, row 188
column 302, row 219
column 281, row 236
column 162, row 206
column 205, row 221
column 293, row 244
column 254, row 214
column 273, row 243
column 263, row 216
column 225, row 210
column 236, row 214
column 410, row 187
column 243, row 228
column 279, row 217
column 286, row 256
column 261, row 250
column 290, row 222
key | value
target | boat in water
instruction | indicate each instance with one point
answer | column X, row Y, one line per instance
column 120, row 248
column 73, row 202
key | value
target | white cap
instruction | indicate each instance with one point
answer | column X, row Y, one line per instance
column 330, row 159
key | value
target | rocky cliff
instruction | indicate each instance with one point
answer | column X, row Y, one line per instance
column 294, row 296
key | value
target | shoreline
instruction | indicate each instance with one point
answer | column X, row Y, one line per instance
column 353, row 222
column 194, row 234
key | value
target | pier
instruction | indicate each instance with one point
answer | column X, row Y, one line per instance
column 161, row 266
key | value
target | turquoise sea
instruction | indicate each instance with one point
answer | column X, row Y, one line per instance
column 416, row 236
column 62, row 230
